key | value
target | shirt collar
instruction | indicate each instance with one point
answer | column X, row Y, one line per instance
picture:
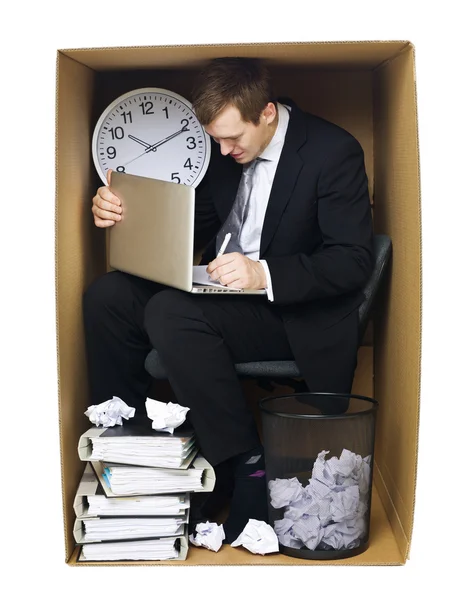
column 274, row 148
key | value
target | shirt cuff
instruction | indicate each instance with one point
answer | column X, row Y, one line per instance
column 269, row 287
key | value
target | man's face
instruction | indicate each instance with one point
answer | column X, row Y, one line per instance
column 243, row 141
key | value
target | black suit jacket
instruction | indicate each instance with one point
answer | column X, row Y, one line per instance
column 316, row 239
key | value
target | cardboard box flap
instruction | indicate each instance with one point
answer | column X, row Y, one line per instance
column 352, row 55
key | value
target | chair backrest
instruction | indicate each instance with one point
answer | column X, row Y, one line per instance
column 382, row 255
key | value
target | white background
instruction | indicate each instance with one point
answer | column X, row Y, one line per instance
column 32, row 540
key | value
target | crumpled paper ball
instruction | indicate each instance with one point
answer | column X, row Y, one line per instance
column 258, row 537
column 109, row 413
column 165, row 417
column 285, row 491
column 209, row 535
column 328, row 512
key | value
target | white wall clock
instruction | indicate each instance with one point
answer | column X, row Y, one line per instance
column 151, row 132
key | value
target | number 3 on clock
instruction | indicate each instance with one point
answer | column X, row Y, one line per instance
column 151, row 132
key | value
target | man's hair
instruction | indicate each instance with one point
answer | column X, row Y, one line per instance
column 241, row 82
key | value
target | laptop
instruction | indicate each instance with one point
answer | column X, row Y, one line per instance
column 154, row 239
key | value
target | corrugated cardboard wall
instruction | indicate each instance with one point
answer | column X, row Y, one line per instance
column 78, row 259
column 398, row 331
column 318, row 55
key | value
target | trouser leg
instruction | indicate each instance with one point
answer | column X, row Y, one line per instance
column 199, row 338
column 116, row 342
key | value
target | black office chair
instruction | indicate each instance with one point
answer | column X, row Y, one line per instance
column 285, row 371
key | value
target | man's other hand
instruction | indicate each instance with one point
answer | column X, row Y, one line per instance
column 106, row 206
column 237, row 271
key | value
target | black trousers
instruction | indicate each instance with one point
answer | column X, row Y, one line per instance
column 198, row 337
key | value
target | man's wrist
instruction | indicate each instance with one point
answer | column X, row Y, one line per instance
column 263, row 277
column 268, row 280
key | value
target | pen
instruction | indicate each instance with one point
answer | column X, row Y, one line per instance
column 224, row 244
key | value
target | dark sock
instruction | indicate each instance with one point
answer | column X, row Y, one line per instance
column 249, row 462
column 222, row 491
column 249, row 500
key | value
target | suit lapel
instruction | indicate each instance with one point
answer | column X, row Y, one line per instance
column 289, row 166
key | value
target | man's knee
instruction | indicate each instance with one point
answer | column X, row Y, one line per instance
column 166, row 313
column 109, row 290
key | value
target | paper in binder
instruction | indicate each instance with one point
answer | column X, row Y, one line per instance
column 136, row 443
column 169, row 548
column 124, row 480
column 91, row 501
column 94, row 530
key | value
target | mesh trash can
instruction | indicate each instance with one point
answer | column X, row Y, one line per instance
column 319, row 472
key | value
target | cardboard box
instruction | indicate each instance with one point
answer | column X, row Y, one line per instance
column 366, row 87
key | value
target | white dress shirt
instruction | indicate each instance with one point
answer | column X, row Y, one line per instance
column 262, row 182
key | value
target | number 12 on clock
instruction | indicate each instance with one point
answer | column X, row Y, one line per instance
column 151, row 132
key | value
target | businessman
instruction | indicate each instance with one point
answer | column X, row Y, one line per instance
column 291, row 189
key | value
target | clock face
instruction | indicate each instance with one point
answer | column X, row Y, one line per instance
column 151, row 132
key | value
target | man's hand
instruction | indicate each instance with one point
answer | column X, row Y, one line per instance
column 106, row 206
column 237, row 271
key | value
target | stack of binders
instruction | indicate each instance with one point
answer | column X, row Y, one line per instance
column 134, row 497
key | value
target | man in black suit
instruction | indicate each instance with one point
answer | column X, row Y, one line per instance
column 305, row 237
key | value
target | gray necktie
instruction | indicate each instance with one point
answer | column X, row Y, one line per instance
column 237, row 215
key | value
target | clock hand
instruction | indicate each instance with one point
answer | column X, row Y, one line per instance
column 153, row 147
column 139, row 141
column 160, row 143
